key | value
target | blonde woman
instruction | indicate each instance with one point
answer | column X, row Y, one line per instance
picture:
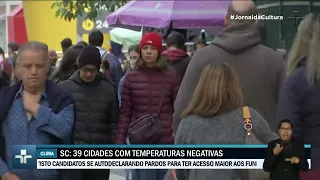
column 299, row 99
column 214, row 116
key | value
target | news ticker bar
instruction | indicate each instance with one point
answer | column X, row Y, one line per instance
column 152, row 152
column 110, row 156
column 151, row 164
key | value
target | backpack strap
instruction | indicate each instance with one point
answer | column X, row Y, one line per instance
column 104, row 55
column 247, row 126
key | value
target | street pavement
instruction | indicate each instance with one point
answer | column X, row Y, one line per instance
column 117, row 174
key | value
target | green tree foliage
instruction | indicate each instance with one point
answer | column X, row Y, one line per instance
column 70, row 9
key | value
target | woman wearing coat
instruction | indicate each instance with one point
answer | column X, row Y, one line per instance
column 299, row 99
column 215, row 116
column 143, row 88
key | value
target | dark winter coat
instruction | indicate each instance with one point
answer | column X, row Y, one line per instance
column 300, row 103
column 141, row 92
column 4, row 79
column 97, row 109
column 178, row 60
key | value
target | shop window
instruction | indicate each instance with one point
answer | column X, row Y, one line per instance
column 2, row 10
column 3, row 33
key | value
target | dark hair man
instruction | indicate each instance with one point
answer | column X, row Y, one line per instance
column 261, row 70
column 97, row 105
column 177, row 56
column 34, row 111
column 96, row 39
column 285, row 156
column 65, row 44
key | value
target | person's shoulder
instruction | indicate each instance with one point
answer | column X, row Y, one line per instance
column 206, row 56
column 170, row 71
column 4, row 91
column 198, row 121
column 191, row 121
column 107, row 83
column 270, row 55
column 254, row 113
column 57, row 90
column 297, row 141
column 299, row 73
column 297, row 81
column 273, row 142
column 186, row 59
column 66, row 83
column 133, row 73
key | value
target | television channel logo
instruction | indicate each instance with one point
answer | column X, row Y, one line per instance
column 24, row 157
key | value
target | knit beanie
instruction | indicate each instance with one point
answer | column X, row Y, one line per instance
column 153, row 39
column 90, row 55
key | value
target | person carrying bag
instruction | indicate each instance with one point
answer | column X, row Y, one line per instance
column 146, row 129
column 251, row 139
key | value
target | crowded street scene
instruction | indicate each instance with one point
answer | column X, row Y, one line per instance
column 161, row 74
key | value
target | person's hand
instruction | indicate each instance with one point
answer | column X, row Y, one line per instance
column 31, row 103
column 9, row 176
column 277, row 149
column 293, row 160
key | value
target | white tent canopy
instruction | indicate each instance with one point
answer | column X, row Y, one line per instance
column 125, row 36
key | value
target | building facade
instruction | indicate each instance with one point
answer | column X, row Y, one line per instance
column 5, row 8
column 282, row 32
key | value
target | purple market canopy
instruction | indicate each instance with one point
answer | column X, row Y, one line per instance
column 160, row 14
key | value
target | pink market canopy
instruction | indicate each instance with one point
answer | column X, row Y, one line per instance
column 175, row 14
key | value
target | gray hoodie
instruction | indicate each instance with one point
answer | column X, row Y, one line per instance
column 221, row 129
column 261, row 70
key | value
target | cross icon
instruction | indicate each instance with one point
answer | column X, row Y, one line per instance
column 23, row 156
column 296, row 18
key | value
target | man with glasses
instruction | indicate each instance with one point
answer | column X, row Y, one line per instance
column 97, row 107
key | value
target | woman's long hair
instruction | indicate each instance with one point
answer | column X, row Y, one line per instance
column 307, row 44
column 68, row 63
column 217, row 92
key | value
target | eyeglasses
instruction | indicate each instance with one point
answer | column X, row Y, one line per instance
column 92, row 70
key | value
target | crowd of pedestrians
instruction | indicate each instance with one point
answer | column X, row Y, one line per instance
column 88, row 97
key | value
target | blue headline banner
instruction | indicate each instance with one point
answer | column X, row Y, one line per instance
column 161, row 146
column 25, row 156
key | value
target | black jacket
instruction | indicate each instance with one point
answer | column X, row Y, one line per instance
column 97, row 109
column 180, row 66
column 279, row 168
